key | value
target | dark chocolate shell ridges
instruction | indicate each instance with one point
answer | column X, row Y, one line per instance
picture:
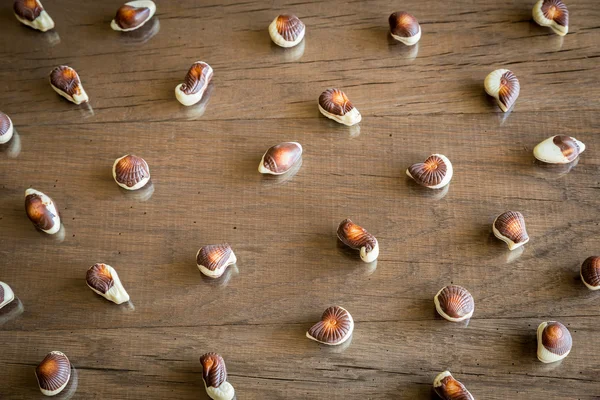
column 509, row 89
column 556, row 11
column 429, row 173
column 282, row 157
column 27, row 9
column 131, row 170
column 334, row 101
column 289, row 27
column 456, row 301
column 197, row 78
column 54, row 371
column 214, row 371
column 354, row 236
column 556, row 338
column 99, row 278
column 451, row 389
column 128, row 17
column 590, row 271
column 568, row 146
column 214, row 256
column 403, row 24
column 66, row 79
column 4, row 123
column 38, row 212
column 334, row 325
column 511, row 224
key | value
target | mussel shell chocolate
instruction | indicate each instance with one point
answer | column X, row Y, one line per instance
column 32, row 14
column 6, row 294
column 212, row 260
column 53, row 373
column 554, row 341
column 356, row 237
column 104, row 280
column 335, row 327
column 448, row 388
column 133, row 15
column 131, row 172
column 65, row 81
column 590, row 272
column 42, row 211
column 510, row 228
column 6, row 128
column 559, row 149
column 552, row 13
column 287, row 30
column 405, row 28
column 435, row 172
column 454, row 303
column 196, row 81
column 504, row 86
column 335, row 105
column 280, row 158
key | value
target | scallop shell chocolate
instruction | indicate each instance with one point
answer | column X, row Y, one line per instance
column 510, row 228
column 553, row 14
column 196, row 81
column 454, row 303
column 504, row 86
column 214, row 376
column 65, row 81
column 213, row 260
column 279, row 159
column 405, row 28
column 334, row 328
column 42, row 211
column 554, row 342
column 559, row 149
column 287, row 30
column 448, row 388
column 131, row 172
column 104, row 280
column 133, row 15
column 6, row 128
column 6, row 294
column 334, row 104
column 53, row 373
column 32, row 14
column 358, row 238
column 590, row 273
column 434, row 173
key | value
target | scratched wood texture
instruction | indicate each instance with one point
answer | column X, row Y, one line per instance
column 205, row 189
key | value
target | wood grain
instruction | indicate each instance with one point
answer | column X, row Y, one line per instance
column 206, row 189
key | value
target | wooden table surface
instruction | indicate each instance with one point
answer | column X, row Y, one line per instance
column 206, row 189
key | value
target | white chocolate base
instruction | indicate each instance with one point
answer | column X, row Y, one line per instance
column 447, row 177
column 540, row 19
column 492, row 86
column 47, row 201
column 9, row 295
column 543, row 354
column 138, row 4
column 410, row 40
column 546, row 151
column 42, row 23
column 225, row 391
column 345, row 338
column 279, row 40
column 511, row 245
column 60, row 389
column 77, row 99
column 9, row 133
column 117, row 293
column 219, row 271
column 438, row 308
column 370, row 256
column 138, row 185
column 352, row 117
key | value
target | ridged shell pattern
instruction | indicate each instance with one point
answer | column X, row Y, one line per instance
column 335, row 324
column 511, row 225
column 556, row 11
column 66, row 79
column 403, row 24
column 568, row 146
column 556, row 338
column 280, row 158
column 28, row 9
column 354, row 236
column 429, row 173
column 129, row 17
column 100, row 278
column 131, row 170
column 5, row 124
column 456, row 301
column 53, row 372
column 289, row 27
column 38, row 212
column 214, row 256
column 335, row 101
column 197, row 78
column 449, row 388
column 214, row 372
column 590, row 271
column 509, row 89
